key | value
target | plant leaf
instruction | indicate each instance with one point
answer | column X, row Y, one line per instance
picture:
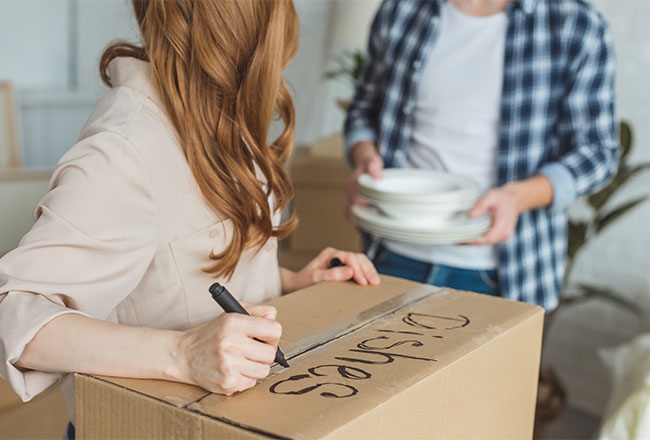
column 347, row 66
column 577, row 237
column 625, row 173
column 587, row 292
column 609, row 218
column 625, row 138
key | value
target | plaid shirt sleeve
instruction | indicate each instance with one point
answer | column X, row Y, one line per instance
column 587, row 127
column 361, row 120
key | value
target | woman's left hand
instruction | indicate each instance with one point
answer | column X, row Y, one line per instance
column 356, row 266
column 503, row 206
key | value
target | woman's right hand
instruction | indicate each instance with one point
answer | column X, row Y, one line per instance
column 222, row 356
column 365, row 160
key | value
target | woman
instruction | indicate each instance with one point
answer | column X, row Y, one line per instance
column 171, row 186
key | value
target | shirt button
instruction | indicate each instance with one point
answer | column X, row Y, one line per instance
column 417, row 64
column 406, row 109
column 435, row 20
column 214, row 233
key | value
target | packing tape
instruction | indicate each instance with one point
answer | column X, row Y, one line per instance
column 325, row 336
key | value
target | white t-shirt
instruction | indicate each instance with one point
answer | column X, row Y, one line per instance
column 457, row 117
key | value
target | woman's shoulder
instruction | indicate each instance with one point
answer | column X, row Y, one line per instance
column 125, row 129
column 131, row 109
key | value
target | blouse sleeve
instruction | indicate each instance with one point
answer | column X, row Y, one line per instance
column 93, row 239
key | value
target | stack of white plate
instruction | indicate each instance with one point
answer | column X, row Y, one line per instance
column 420, row 206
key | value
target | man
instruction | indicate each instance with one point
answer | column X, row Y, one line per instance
column 517, row 94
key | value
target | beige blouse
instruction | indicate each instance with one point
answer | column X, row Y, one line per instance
column 122, row 235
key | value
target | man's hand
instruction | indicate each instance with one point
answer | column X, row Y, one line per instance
column 506, row 202
column 364, row 159
column 502, row 206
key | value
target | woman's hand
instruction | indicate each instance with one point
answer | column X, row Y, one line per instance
column 507, row 202
column 356, row 266
column 222, row 356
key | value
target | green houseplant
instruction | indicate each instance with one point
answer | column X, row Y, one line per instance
column 347, row 70
column 551, row 397
column 602, row 217
column 347, row 67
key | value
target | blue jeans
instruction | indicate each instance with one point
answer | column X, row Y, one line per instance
column 69, row 432
column 480, row 281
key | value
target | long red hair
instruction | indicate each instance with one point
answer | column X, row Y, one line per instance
column 217, row 66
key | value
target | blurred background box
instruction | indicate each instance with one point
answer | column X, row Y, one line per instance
column 320, row 177
column 43, row 417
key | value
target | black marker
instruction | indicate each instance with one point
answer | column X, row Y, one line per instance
column 335, row 262
column 230, row 305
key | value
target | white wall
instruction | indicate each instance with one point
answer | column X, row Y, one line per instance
column 99, row 23
column 33, row 43
column 347, row 29
column 51, row 49
column 619, row 258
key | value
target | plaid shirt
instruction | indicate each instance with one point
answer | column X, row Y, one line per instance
column 557, row 117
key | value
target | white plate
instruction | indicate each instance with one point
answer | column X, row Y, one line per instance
column 428, row 239
column 417, row 185
column 433, row 212
column 425, row 238
column 458, row 223
column 460, row 194
column 467, row 236
column 464, row 198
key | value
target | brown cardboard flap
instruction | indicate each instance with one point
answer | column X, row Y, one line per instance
column 174, row 393
column 298, row 322
column 105, row 410
column 328, row 388
column 341, row 329
column 309, row 311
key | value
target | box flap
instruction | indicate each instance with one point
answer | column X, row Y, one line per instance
column 296, row 325
column 328, row 387
column 174, row 393
column 330, row 303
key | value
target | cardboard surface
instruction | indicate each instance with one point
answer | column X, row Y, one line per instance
column 44, row 416
column 294, row 260
column 8, row 399
column 398, row 360
column 320, row 178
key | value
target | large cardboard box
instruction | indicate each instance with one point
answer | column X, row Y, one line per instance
column 320, row 177
column 401, row 360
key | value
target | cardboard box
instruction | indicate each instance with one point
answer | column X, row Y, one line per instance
column 44, row 416
column 401, row 360
column 294, row 260
column 320, row 177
